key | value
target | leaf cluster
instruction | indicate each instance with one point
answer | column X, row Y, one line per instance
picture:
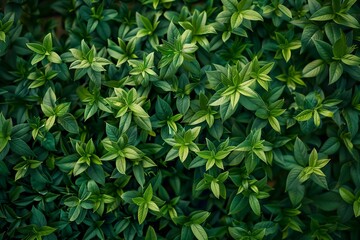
column 163, row 119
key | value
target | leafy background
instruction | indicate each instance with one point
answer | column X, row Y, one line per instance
column 185, row 119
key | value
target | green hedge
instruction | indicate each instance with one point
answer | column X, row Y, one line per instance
column 164, row 119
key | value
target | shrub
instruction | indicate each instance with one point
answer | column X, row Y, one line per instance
column 163, row 119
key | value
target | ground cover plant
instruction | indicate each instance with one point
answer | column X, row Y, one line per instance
column 164, row 119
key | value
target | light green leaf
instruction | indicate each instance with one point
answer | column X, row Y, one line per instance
column 215, row 188
column 356, row 208
column 254, row 204
column 351, row 60
column 274, row 123
column 304, row 115
column 252, row 15
column 142, row 212
column 121, row 165
column 37, row 48
column 148, row 194
column 152, row 206
column 54, row 58
column 346, row 195
column 183, row 152
column 198, row 232
column 37, row 58
column 285, row 10
column 313, row 68
column 138, row 200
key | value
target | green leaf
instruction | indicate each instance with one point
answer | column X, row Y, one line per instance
column 37, row 48
column 183, row 152
column 199, row 232
column 347, row 20
column 330, row 146
column 335, row 72
column 324, row 49
column 323, row 14
column 139, row 174
column 215, row 188
column 333, row 32
column 186, row 233
column 236, row 20
column 143, row 123
column 2, row 36
column 285, row 10
column 148, row 194
column 199, row 217
column 304, row 115
column 79, row 168
column 47, row 110
column 340, row 47
column 54, row 58
column 49, row 98
column 163, row 109
column 251, row 15
column 292, row 181
column 230, row 5
column 313, row 68
column 346, row 195
column 20, row 147
column 297, row 195
column 138, row 110
column 61, row 109
column 254, row 204
column 74, row 213
column 142, row 212
column 183, row 104
column 300, row 152
column 313, row 158
column 112, row 132
column 350, row 60
column 238, row 232
column 3, row 143
column 37, row 58
column 356, row 208
column 46, row 230
column 138, row 200
column 320, row 180
column 47, row 42
column 274, row 123
column 352, row 121
column 226, row 111
column 238, row 204
column 37, row 217
column 150, row 234
column 97, row 173
column 69, row 123
column 152, row 206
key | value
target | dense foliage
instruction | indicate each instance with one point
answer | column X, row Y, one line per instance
column 164, row 119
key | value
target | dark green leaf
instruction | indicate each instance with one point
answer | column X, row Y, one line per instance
column 20, row 147
column 150, row 234
column 68, row 122
column 300, row 152
column 324, row 49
